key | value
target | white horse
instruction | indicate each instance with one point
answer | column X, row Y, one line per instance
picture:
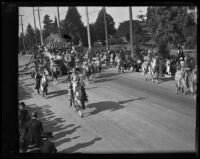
column 152, row 69
column 44, row 85
column 120, row 66
column 149, row 65
column 179, row 80
column 168, row 66
column 145, row 69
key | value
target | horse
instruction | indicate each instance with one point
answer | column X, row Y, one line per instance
column 44, row 85
column 149, row 65
column 86, row 72
column 54, row 70
column 96, row 69
column 179, row 80
column 168, row 66
column 153, row 69
column 120, row 65
column 145, row 69
column 189, row 82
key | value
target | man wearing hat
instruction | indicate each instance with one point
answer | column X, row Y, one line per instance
column 46, row 145
column 23, row 114
column 186, row 69
column 33, row 130
column 37, row 80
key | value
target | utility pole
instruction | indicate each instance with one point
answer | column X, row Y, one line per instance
column 131, row 30
column 40, row 26
column 107, row 47
column 58, row 21
column 22, row 31
column 88, row 28
column 35, row 26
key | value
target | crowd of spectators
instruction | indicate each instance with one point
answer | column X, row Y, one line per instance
column 32, row 137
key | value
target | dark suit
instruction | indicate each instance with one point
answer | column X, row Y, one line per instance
column 33, row 131
column 37, row 85
column 47, row 147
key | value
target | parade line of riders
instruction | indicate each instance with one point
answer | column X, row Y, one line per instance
column 32, row 136
column 177, row 66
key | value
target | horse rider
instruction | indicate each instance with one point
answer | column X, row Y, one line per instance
column 44, row 82
column 37, row 80
column 84, row 95
column 74, row 78
column 53, row 71
column 186, row 69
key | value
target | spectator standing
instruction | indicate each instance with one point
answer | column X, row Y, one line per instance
column 33, row 130
column 47, row 146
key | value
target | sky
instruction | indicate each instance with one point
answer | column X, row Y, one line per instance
column 119, row 14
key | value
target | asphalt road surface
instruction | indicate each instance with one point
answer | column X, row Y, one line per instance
column 124, row 114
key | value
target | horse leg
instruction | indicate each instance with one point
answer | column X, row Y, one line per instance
column 80, row 111
column 152, row 78
column 177, row 88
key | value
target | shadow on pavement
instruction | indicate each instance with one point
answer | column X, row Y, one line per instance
column 91, row 88
column 106, row 105
column 60, row 142
column 57, row 93
column 31, row 84
column 80, row 145
column 165, row 79
column 103, row 75
column 104, row 80
column 64, row 133
column 130, row 100
column 24, row 93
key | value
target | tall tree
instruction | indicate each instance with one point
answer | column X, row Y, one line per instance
column 29, row 37
column 139, row 28
column 100, row 25
column 170, row 24
column 73, row 25
column 48, row 26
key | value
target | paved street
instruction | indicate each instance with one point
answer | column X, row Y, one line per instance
column 124, row 114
